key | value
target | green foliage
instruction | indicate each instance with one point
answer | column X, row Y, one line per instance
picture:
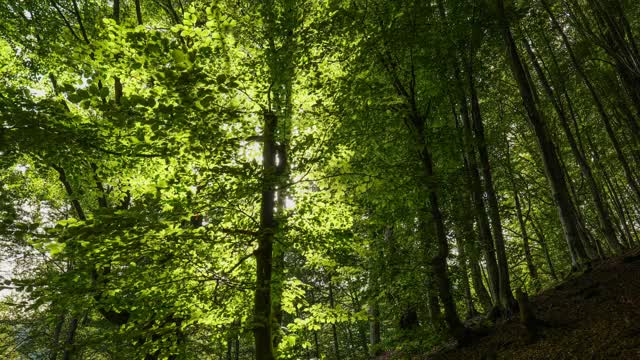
column 132, row 172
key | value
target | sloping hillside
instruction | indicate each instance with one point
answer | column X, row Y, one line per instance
column 595, row 315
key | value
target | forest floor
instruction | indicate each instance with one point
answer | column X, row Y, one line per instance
column 595, row 315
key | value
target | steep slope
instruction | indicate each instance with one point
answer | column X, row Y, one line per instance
column 595, row 315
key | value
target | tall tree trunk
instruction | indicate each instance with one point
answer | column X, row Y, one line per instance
column 55, row 342
column 618, row 41
column 334, row 329
column 471, row 170
column 277, row 285
column 230, row 348
column 478, row 284
column 464, row 279
column 545, row 249
column 506, row 296
column 467, row 228
column 264, row 252
column 375, row 332
column 553, row 169
column 138, row 12
column 237, row 347
column 601, row 209
column 473, row 175
column 116, row 80
column 597, row 101
column 616, row 199
column 533, row 272
column 416, row 122
column 433, row 303
column 439, row 261
column 585, row 236
column 69, row 346
column 316, row 342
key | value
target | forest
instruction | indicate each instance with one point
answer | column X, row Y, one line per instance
column 314, row 179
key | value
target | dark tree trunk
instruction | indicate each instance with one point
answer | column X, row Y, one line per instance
column 264, row 252
column 334, row 329
column 533, row 272
column 506, row 296
column 545, row 249
column 464, row 279
column 375, row 332
column 138, row 12
column 553, row 169
column 69, row 348
column 597, row 101
column 473, row 256
column 603, row 214
column 433, row 303
column 55, row 342
column 439, row 261
column 471, row 167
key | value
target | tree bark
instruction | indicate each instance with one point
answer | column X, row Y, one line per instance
column 375, row 333
column 55, row 342
column 603, row 214
column 69, row 348
column 506, row 296
column 545, row 249
column 553, row 169
column 334, row 329
column 471, row 167
column 597, row 101
column 138, row 12
column 264, row 252
column 439, row 262
column 533, row 272
column 464, row 279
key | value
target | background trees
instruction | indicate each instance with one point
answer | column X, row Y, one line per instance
column 370, row 173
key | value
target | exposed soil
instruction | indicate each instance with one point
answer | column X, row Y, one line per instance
column 595, row 315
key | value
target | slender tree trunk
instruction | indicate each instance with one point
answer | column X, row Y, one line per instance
column 469, row 239
column 553, row 169
column 597, row 101
column 471, row 170
column 69, row 348
column 138, row 12
column 55, row 342
column 506, row 296
column 616, row 199
column 229, row 349
column 264, row 252
column 237, row 347
column 622, row 212
column 478, row 285
column 584, row 234
column 334, row 329
column 617, row 39
column 533, row 272
column 374, row 328
column 603, row 214
column 277, row 288
column 484, row 230
column 433, row 303
column 116, row 80
column 376, row 262
column 464, row 279
column 316, row 342
column 439, row 262
column 545, row 249
column 417, row 125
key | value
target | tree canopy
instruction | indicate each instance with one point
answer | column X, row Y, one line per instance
column 186, row 179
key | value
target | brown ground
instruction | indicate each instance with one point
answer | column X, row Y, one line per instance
column 593, row 316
